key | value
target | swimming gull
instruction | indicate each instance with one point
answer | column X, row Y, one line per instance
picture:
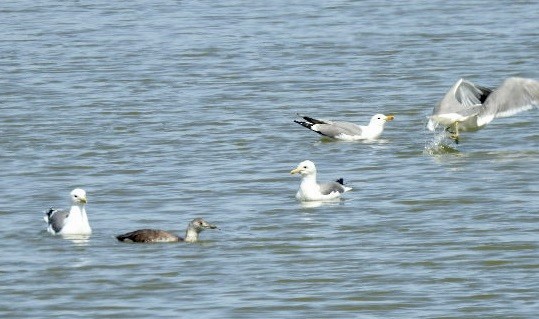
column 72, row 222
column 310, row 190
column 469, row 107
column 195, row 227
column 347, row 131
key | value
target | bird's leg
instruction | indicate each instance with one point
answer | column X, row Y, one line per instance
column 454, row 135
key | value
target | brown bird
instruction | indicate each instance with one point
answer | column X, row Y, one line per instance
column 195, row 227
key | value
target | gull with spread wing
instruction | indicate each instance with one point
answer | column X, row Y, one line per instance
column 469, row 107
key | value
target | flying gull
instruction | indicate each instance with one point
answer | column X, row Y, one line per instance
column 469, row 107
column 347, row 131
column 72, row 222
column 195, row 227
column 310, row 190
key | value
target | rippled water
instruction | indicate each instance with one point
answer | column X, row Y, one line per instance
column 165, row 111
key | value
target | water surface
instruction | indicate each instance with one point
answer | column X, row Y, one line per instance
column 166, row 111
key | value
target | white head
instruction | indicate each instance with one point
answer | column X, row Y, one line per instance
column 304, row 168
column 380, row 119
column 78, row 196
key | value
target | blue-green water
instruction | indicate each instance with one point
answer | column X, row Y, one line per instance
column 165, row 111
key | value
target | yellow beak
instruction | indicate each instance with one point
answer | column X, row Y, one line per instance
column 295, row 170
column 390, row 117
column 83, row 199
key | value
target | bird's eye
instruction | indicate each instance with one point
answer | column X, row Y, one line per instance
column 75, row 195
column 304, row 166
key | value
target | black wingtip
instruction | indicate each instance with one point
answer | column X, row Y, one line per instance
column 340, row 181
column 313, row 120
column 304, row 124
column 49, row 211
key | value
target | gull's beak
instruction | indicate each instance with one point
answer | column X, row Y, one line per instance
column 212, row 226
column 83, row 199
column 390, row 117
column 295, row 170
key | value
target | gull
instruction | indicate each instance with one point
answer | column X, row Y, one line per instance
column 347, row 131
column 72, row 222
column 195, row 227
column 310, row 190
column 469, row 107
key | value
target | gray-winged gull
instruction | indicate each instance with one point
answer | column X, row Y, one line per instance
column 310, row 190
column 72, row 222
column 347, row 131
column 469, row 107
column 195, row 227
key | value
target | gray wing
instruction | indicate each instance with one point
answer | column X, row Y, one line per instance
column 464, row 98
column 329, row 128
column 513, row 96
column 335, row 128
column 55, row 218
column 328, row 188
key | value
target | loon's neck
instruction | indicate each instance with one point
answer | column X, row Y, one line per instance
column 191, row 235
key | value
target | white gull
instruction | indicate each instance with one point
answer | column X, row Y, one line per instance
column 347, row 131
column 310, row 190
column 72, row 222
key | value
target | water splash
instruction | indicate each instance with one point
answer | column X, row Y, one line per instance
column 439, row 145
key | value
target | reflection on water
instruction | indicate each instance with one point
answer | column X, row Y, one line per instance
column 78, row 240
column 314, row 204
column 325, row 139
